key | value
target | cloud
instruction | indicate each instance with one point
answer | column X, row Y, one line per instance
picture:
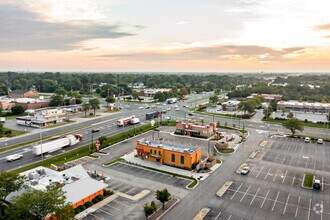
column 25, row 30
column 217, row 52
column 182, row 22
column 323, row 27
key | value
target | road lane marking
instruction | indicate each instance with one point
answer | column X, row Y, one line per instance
column 245, row 194
column 236, row 191
column 278, row 193
column 286, row 203
column 254, row 196
column 264, row 199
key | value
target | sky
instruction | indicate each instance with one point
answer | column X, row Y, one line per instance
column 165, row 36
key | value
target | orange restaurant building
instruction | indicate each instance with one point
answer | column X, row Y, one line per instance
column 168, row 153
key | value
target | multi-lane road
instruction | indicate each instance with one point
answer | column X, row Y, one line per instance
column 107, row 126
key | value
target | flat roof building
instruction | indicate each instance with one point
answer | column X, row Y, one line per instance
column 168, row 153
column 303, row 106
column 75, row 182
column 191, row 129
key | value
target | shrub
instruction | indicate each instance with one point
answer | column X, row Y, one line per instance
column 95, row 200
column 100, row 197
column 81, row 208
column 88, row 204
column 107, row 193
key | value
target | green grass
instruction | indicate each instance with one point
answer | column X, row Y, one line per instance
column 114, row 161
column 227, row 151
column 218, row 161
column 60, row 124
column 218, row 115
column 17, row 133
column 306, row 124
column 90, row 116
column 10, row 117
column 308, row 180
column 36, row 140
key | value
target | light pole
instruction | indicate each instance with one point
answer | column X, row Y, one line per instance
column 42, row 154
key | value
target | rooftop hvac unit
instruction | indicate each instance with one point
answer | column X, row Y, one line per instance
column 34, row 182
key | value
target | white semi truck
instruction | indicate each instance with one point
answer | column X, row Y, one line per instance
column 129, row 120
column 57, row 144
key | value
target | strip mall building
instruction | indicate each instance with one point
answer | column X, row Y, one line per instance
column 169, row 154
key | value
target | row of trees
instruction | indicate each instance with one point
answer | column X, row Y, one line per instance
column 91, row 104
column 31, row 204
column 161, row 195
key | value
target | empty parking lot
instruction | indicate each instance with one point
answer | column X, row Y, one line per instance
column 150, row 175
column 272, row 189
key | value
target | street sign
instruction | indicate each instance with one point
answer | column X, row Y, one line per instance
column 152, row 122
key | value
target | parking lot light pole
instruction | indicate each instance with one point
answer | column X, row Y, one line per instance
column 42, row 154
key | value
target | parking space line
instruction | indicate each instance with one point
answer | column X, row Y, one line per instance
column 286, row 172
column 267, row 173
column 321, row 211
column 264, row 199
column 297, row 207
column 283, row 159
column 109, row 213
column 121, row 203
column 309, row 209
column 229, row 217
column 259, row 171
column 286, row 204
column 278, row 193
column 217, row 216
column 251, row 170
column 113, row 207
column 275, row 175
column 291, row 161
column 322, row 183
column 95, row 216
column 254, row 196
column 245, row 194
column 294, row 177
column 236, row 191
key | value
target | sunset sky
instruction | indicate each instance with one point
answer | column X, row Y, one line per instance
column 162, row 36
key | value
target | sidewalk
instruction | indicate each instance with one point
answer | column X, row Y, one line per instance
column 135, row 160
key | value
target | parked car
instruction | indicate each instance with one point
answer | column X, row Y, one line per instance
column 317, row 184
column 168, row 118
column 245, row 170
column 13, row 157
column 147, row 107
column 141, row 107
column 320, row 141
column 177, row 109
column 190, row 114
column 307, row 140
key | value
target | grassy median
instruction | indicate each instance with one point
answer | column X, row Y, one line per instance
column 308, row 180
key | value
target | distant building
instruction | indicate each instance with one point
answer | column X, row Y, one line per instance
column 6, row 104
column 137, row 85
column 303, row 106
column 29, row 103
column 76, row 183
column 43, row 118
column 150, row 92
column 190, row 129
column 169, row 154
column 268, row 97
column 32, row 93
column 231, row 105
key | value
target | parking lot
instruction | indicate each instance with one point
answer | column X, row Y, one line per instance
column 123, row 187
column 150, row 175
column 272, row 189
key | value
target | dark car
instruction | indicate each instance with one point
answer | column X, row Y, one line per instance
column 95, row 130
column 190, row 114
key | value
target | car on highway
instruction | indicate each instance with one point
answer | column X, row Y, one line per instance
column 95, row 130
column 141, row 107
column 177, row 109
column 190, row 114
column 320, row 141
column 13, row 157
column 147, row 107
column 245, row 170
column 185, row 106
column 307, row 139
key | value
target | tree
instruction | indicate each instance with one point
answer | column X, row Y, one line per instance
column 246, row 106
column 56, row 100
column 267, row 112
column 293, row 125
column 40, row 204
column 214, row 99
column 17, row 110
column 163, row 196
column 61, row 91
column 148, row 210
column 135, row 95
column 85, row 107
column 160, row 96
column 110, row 99
column 95, row 104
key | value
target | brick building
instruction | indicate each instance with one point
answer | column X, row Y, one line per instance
column 168, row 153
column 32, row 93
column 190, row 129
